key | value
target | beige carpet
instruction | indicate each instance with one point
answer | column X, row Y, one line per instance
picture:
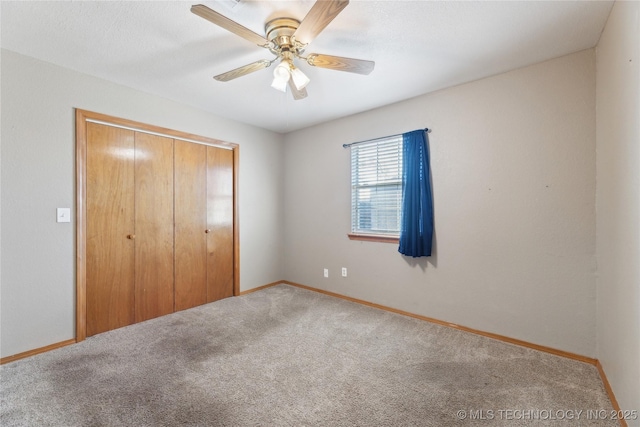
column 285, row 356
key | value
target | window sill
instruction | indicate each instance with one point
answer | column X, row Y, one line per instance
column 374, row 238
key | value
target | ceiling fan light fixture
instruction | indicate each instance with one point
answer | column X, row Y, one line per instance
column 300, row 79
column 282, row 71
column 287, row 38
column 281, row 76
column 280, row 84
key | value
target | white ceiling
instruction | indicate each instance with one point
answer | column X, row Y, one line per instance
column 418, row 47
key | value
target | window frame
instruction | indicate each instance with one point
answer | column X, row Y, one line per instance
column 391, row 159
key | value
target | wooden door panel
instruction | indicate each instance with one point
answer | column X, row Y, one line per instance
column 220, row 222
column 110, row 206
column 190, row 224
column 154, row 284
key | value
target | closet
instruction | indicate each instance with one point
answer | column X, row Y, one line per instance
column 159, row 225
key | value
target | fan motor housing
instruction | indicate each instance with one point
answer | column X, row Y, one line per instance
column 280, row 30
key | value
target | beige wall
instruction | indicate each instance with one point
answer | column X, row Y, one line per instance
column 513, row 165
column 618, row 203
column 38, row 134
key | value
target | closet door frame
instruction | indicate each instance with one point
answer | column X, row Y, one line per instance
column 84, row 116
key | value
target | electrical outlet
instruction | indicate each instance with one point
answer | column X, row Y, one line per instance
column 326, row 272
column 344, row 271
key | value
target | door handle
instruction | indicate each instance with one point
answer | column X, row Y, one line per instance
column 207, row 230
column 131, row 236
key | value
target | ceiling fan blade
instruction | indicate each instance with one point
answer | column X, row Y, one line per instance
column 229, row 25
column 243, row 71
column 358, row 66
column 297, row 94
column 320, row 15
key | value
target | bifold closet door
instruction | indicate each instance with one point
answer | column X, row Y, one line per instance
column 159, row 226
column 220, row 223
column 154, row 285
column 190, row 171
column 110, row 228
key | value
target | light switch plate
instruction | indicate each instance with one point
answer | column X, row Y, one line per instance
column 64, row 215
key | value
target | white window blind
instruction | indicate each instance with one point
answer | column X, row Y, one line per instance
column 376, row 186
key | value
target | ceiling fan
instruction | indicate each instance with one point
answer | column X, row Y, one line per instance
column 287, row 38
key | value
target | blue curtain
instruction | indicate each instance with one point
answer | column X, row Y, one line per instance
column 416, row 228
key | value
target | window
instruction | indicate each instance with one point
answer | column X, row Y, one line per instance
column 376, row 188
